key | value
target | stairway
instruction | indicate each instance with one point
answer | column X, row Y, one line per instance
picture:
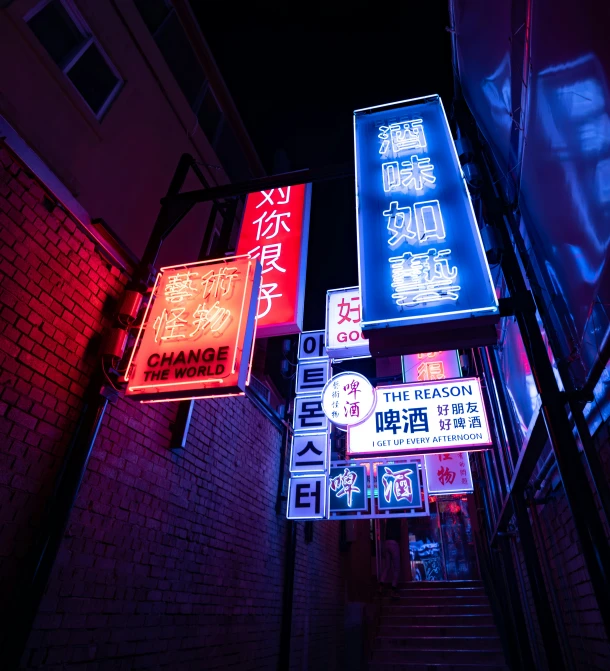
column 437, row 626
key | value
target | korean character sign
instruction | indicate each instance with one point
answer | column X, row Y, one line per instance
column 274, row 230
column 197, row 336
column 421, row 259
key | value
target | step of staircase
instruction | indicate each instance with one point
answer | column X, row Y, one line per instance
column 396, row 607
column 441, row 620
column 441, row 591
column 437, row 626
column 433, row 629
column 435, row 656
column 410, row 598
column 441, row 584
column 480, row 643
column 407, row 666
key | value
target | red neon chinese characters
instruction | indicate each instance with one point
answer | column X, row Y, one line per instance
column 345, row 485
column 198, row 331
column 399, row 483
column 274, row 230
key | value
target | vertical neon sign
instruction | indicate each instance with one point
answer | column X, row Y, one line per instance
column 421, row 259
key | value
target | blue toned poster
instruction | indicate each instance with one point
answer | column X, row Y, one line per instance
column 421, row 259
column 348, row 488
column 398, row 486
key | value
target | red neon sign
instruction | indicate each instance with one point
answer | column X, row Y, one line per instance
column 198, row 332
column 274, row 231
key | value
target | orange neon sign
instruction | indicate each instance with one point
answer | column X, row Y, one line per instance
column 198, row 331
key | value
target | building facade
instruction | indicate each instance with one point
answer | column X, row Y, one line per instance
column 169, row 558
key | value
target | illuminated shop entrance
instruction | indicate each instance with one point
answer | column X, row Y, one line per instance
column 437, row 547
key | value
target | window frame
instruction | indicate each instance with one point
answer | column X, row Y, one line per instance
column 73, row 58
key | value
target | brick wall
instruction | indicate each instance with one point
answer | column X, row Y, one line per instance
column 583, row 631
column 170, row 559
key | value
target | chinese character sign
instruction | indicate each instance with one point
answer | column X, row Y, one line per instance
column 421, row 259
column 348, row 399
column 398, row 486
column 348, row 488
column 275, row 230
column 343, row 324
column 198, row 331
column 430, row 366
column 448, row 473
column 422, row 418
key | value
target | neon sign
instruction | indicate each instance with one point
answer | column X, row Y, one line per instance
column 343, row 324
column 275, row 230
column 422, row 418
column 400, row 486
column 448, row 473
column 348, row 488
column 430, row 366
column 198, row 331
column 421, row 259
column 348, row 399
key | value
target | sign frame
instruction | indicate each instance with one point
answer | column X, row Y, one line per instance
column 360, row 346
column 299, row 480
column 243, row 346
column 294, row 323
column 424, row 323
column 427, row 447
column 320, row 336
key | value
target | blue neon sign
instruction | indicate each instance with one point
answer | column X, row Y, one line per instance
column 398, row 486
column 421, row 259
column 348, row 488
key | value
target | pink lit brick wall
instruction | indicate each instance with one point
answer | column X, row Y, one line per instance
column 170, row 559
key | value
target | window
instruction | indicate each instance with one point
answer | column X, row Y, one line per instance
column 68, row 40
column 167, row 31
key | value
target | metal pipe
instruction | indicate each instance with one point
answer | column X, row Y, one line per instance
column 304, row 176
column 600, row 363
column 548, row 575
column 580, row 498
column 542, row 605
column 283, row 661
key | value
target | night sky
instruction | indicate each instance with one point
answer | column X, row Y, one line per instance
column 296, row 86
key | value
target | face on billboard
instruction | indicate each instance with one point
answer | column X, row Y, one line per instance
column 198, row 331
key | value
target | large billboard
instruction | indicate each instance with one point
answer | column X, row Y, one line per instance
column 422, row 265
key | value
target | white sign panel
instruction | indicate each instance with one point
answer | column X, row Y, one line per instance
column 308, row 414
column 430, row 366
column 312, row 376
column 307, row 498
column 309, row 453
column 312, row 345
column 348, row 399
column 424, row 417
column 448, row 473
column 343, row 319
